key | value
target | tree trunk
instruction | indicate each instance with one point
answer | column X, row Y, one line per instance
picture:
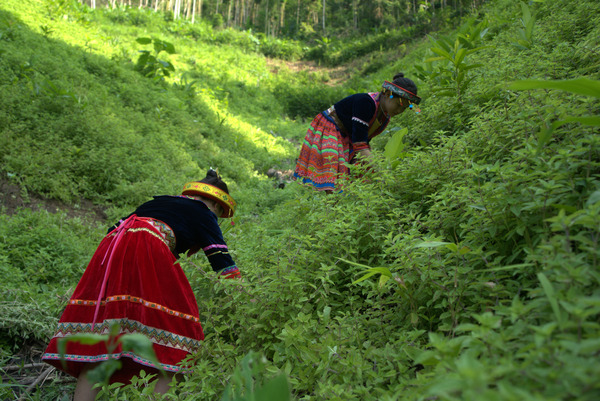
column 324, row 18
column 187, row 9
column 282, row 15
column 267, row 18
column 298, row 17
column 229, row 13
column 177, row 9
column 243, row 13
column 355, row 14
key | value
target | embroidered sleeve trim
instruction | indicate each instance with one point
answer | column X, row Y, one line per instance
column 214, row 246
column 358, row 120
column 230, row 272
column 360, row 145
column 216, row 253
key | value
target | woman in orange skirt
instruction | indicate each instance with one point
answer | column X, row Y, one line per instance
column 337, row 134
column 133, row 280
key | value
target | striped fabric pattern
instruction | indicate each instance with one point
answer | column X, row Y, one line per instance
column 324, row 154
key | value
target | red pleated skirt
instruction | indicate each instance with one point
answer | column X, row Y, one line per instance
column 324, row 155
column 143, row 290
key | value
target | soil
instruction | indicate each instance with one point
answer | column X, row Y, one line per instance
column 336, row 74
column 12, row 199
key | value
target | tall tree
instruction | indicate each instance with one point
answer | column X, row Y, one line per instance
column 324, row 32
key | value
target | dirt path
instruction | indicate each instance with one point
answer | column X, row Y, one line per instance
column 12, row 199
column 336, row 74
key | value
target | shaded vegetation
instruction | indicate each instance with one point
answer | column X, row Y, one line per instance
column 466, row 268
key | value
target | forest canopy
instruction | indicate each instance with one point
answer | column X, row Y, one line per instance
column 306, row 19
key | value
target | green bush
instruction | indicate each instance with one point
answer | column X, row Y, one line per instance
column 305, row 101
column 462, row 266
column 40, row 253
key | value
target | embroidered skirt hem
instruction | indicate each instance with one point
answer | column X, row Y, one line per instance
column 324, row 155
column 146, row 292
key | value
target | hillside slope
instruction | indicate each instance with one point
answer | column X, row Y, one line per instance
column 461, row 265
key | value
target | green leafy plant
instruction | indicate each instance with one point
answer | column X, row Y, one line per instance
column 384, row 273
column 452, row 76
column 395, row 147
column 46, row 30
column 525, row 33
column 245, row 384
column 513, row 317
column 149, row 64
column 580, row 86
column 8, row 29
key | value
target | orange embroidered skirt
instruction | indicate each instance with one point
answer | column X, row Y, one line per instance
column 133, row 280
column 324, row 154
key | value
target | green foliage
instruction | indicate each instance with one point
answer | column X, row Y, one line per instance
column 280, row 48
column 149, row 65
column 39, row 251
column 306, row 101
column 463, row 269
column 525, row 37
column 244, row 388
column 26, row 318
column 334, row 51
column 452, row 78
column 582, row 86
column 394, row 149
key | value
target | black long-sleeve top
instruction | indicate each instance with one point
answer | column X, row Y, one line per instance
column 195, row 227
column 358, row 114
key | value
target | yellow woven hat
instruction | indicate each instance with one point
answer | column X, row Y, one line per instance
column 211, row 192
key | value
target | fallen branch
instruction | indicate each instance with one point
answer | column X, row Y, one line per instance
column 26, row 366
column 41, row 377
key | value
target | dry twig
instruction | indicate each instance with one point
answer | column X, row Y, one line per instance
column 41, row 377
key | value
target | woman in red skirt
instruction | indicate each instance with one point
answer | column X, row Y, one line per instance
column 336, row 135
column 134, row 280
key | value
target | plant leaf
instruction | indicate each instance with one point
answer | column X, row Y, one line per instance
column 549, row 290
column 581, row 86
column 395, row 146
column 431, row 244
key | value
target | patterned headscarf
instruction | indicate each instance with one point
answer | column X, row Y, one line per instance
column 398, row 90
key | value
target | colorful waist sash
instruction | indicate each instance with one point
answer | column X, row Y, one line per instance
column 166, row 232
column 333, row 115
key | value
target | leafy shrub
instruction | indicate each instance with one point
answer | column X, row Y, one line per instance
column 481, row 232
column 308, row 100
column 149, row 65
column 281, row 48
column 40, row 251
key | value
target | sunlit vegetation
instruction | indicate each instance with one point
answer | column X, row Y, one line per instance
column 463, row 265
